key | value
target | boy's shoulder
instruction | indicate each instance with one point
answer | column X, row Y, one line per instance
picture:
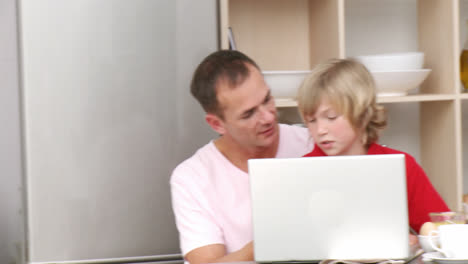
column 376, row 149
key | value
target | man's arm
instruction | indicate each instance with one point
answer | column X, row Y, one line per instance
column 217, row 253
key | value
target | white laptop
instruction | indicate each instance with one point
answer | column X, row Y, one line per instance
column 340, row 207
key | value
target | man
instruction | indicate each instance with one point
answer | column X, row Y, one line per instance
column 210, row 190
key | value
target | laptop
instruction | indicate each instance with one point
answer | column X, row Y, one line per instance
column 336, row 207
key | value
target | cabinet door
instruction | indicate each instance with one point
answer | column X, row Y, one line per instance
column 107, row 116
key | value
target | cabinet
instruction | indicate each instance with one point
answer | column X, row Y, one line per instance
column 296, row 35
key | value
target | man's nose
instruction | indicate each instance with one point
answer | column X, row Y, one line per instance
column 267, row 114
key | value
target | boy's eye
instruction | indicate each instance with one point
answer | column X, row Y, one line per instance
column 332, row 117
column 312, row 120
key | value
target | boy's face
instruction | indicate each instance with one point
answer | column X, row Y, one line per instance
column 333, row 132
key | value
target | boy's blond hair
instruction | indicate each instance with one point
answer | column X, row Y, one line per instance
column 350, row 89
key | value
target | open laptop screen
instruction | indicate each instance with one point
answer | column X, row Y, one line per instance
column 340, row 207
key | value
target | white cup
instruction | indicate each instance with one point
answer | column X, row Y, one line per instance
column 425, row 244
column 453, row 241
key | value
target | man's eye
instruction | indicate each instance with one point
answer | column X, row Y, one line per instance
column 247, row 115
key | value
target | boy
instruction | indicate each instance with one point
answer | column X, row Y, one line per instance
column 337, row 102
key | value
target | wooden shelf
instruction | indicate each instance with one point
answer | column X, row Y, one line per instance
column 464, row 96
column 281, row 103
column 289, row 102
column 415, row 98
column 284, row 34
column 296, row 35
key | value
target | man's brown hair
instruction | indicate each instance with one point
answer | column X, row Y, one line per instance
column 228, row 66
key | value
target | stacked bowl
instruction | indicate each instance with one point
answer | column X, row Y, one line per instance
column 395, row 74
column 284, row 84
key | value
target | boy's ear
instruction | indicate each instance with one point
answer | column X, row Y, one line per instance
column 215, row 123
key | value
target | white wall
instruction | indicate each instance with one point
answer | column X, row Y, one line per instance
column 11, row 213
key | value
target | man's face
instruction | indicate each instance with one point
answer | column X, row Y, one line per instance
column 249, row 111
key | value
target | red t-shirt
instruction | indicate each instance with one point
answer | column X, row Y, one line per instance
column 422, row 196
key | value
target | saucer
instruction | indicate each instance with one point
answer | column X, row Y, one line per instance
column 439, row 258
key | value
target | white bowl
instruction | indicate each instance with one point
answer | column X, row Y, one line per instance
column 393, row 61
column 284, row 84
column 398, row 83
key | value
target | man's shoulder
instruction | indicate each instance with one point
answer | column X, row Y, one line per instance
column 198, row 160
column 294, row 127
column 205, row 162
column 294, row 141
column 296, row 132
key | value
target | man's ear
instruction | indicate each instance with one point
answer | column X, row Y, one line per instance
column 216, row 123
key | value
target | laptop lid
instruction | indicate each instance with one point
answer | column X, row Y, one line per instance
column 340, row 207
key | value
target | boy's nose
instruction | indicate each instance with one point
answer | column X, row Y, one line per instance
column 322, row 128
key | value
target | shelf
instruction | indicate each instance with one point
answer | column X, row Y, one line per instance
column 415, row 98
column 282, row 34
column 283, row 103
column 312, row 31
column 464, row 96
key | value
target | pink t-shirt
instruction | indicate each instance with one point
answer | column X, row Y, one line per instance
column 211, row 196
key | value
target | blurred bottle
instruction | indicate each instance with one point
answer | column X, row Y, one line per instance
column 464, row 62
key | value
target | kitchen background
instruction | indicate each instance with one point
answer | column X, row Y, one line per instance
column 170, row 38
